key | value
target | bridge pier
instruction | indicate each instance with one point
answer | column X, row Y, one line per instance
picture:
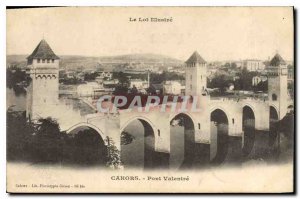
column 201, row 155
column 234, row 154
column 261, row 147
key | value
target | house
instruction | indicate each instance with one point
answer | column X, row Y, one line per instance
column 139, row 84
column 253, row 65
column 172, row 87
column 110, row 83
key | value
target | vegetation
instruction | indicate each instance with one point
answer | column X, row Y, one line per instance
column 16, row 79
column 286, row 126
column 90, row 76
column 165, row 76
column 43, row 142
column 126, row 138
column 291, row 89
column 261, row 86
column 123, row 86
column 113, row 155
column 243, row 81
column 69, row 80
column 221, row 82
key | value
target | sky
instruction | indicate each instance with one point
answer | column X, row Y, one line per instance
column 217, row 33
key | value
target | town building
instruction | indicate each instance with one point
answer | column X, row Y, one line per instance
column 139, row 84
column 173, row 87
column 253, row 65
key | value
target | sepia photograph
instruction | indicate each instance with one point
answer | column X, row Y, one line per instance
column 150, row 100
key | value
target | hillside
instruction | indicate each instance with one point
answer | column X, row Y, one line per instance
column 90, row 62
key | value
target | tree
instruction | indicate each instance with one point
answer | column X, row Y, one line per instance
column 18, row 138
column 220, row 81
column 245, row 80
column 113, row 155
column 291, row 89
column 90, row 76
column 159, row 78
column 47, row 143
column 261, row 86
column 17, row 80
column 122, row 78
column 86, row 147
column 123, row 85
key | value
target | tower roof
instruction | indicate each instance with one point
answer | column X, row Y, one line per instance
column 277, row 60
column 42, row 51
column 195, row 58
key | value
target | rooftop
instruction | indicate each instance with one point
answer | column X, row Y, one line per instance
column 42, row 51
column 277, row 60
column 195, row 58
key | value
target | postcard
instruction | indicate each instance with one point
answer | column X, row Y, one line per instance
column 150, row 100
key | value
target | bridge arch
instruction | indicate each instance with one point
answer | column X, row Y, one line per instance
column 219, row 135
column 274, row 113
column 86, row 146
column 248, row 125
column 138, row 149
column 274, row 117
column 182, row 141
column 83, row 124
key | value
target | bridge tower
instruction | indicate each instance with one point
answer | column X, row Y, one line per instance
column 42, row 93
column 277, row 84
column 195, row 75
column 196, row 79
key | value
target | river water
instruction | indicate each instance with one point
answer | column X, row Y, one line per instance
column 18, row 102
column 132, row 155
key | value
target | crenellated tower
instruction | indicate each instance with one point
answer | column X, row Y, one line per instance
column 195, row 75
column 43, row 67
column 277, row 85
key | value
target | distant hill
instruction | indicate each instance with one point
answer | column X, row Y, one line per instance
column 146, row 58
column 90, row 62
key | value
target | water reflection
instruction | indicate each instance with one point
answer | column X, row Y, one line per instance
column 182, row 142
column 219, row 131
column 249, row 130
column 176, row 146
column 137, row 146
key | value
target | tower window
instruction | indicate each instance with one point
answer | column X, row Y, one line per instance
column 199, row 127
column 38, row 60
column 191, row 86
column 52, row 60
column 43, row 60
column 158, row 131
column 48, row 60
column 232, row 120
column 274, row 97
column 191, row 77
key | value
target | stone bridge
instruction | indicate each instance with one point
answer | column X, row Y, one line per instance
column 197, row 125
